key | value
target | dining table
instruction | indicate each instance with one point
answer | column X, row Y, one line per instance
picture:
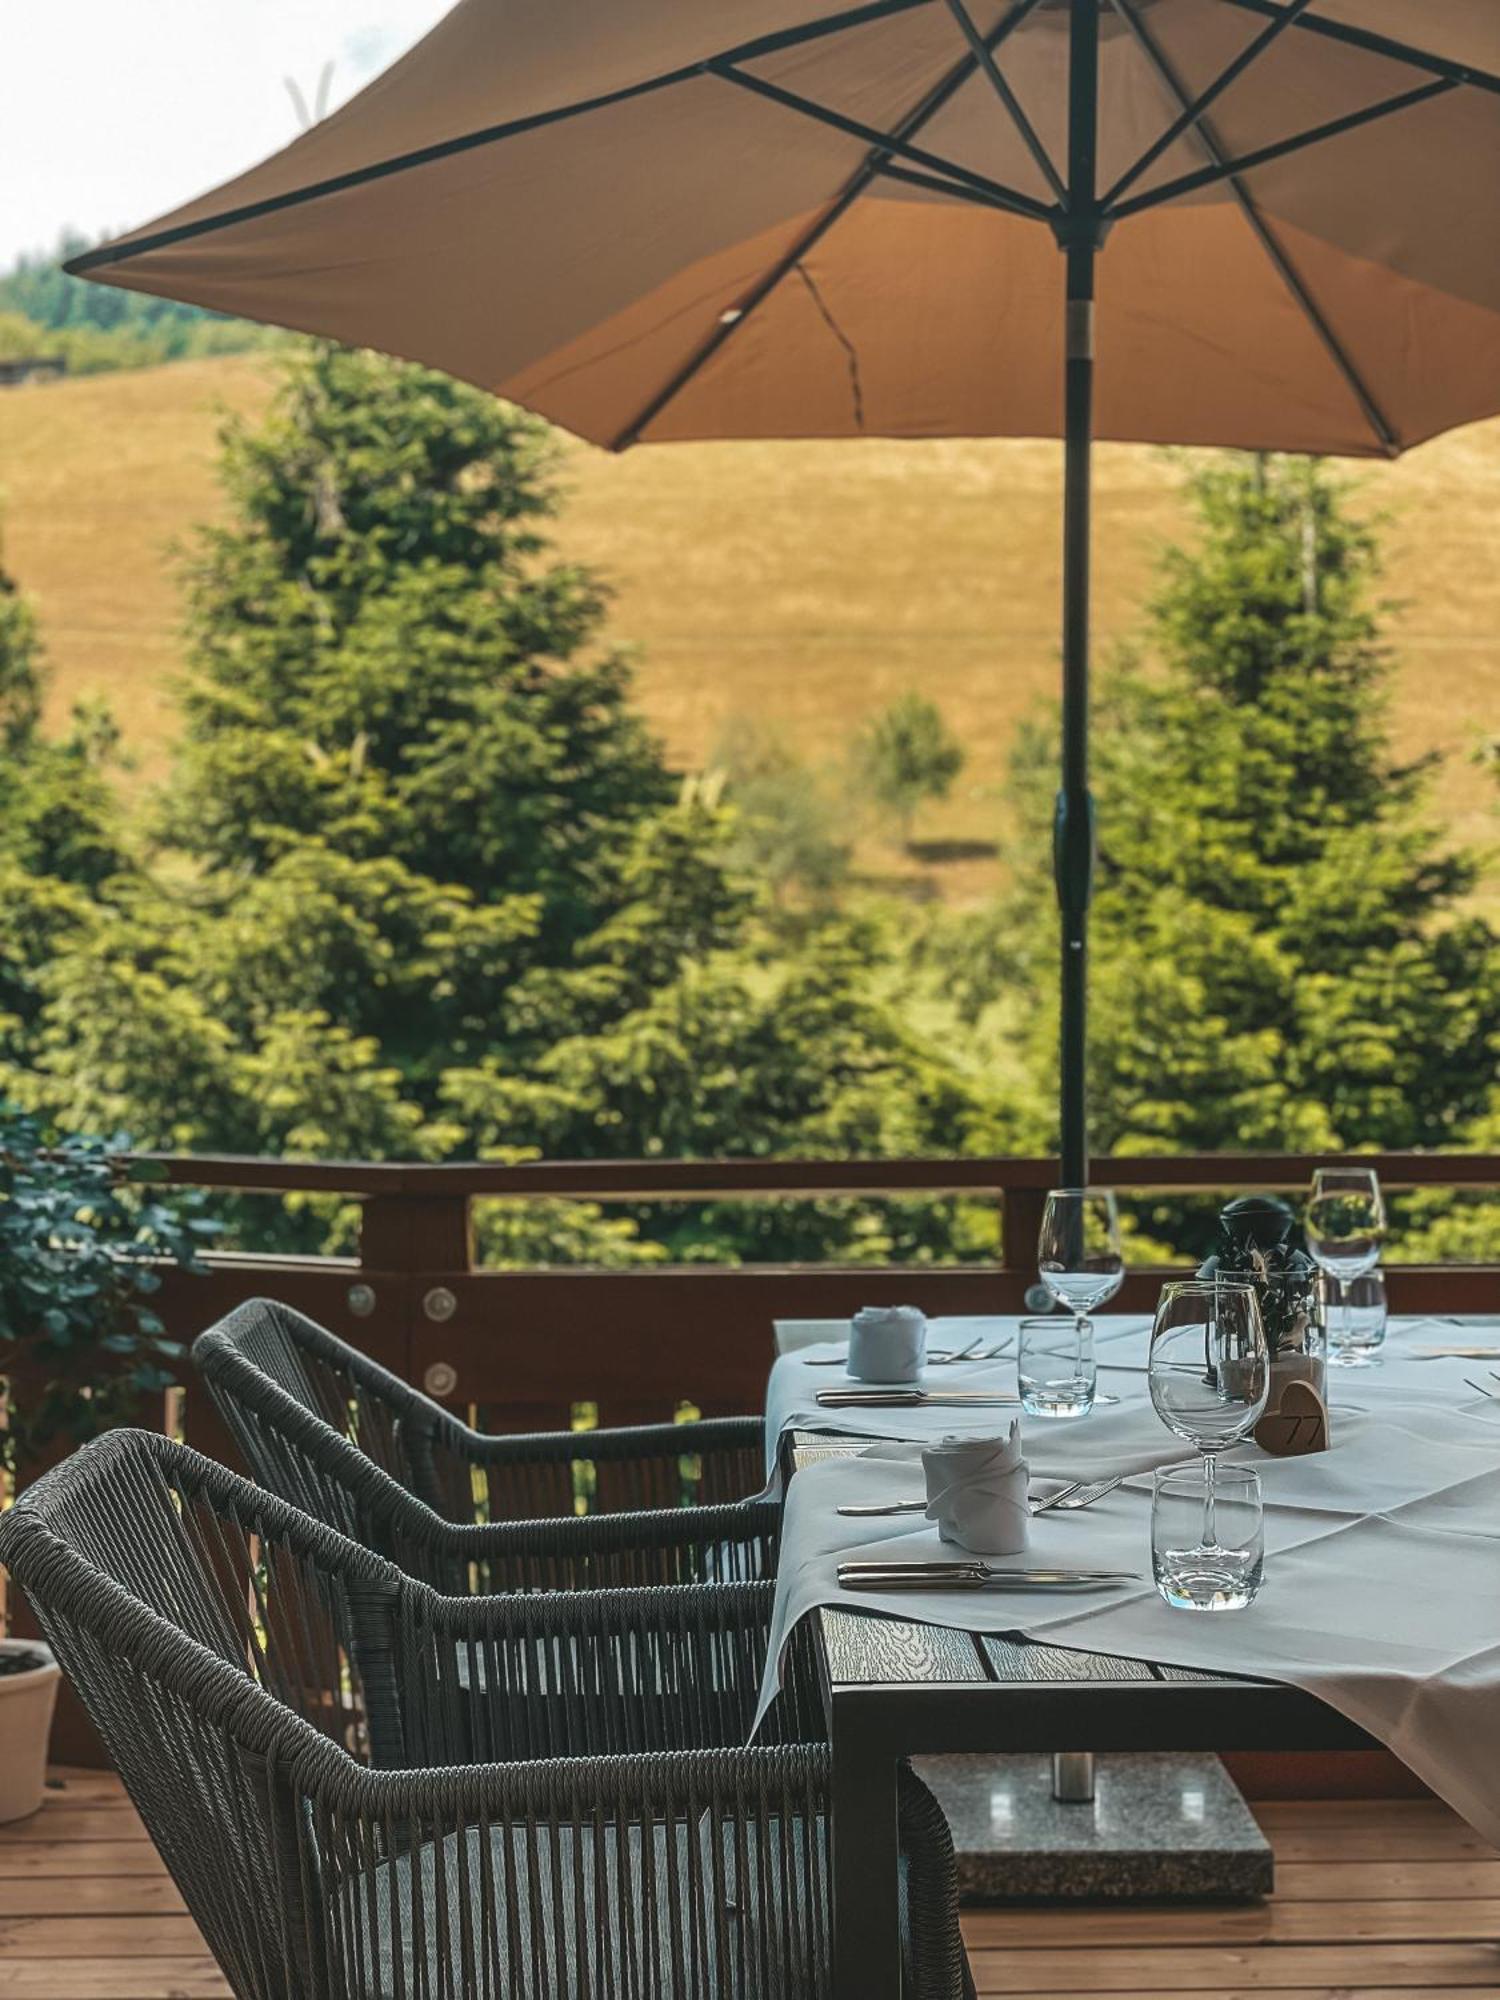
column 1377, row 1623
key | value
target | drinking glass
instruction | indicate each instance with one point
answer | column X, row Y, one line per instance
column 1364, row 1303
column 1345, row 1225
column 1056, row 1368
column 1078, row 1253
column 1209, row 1375
column 1193, row 1575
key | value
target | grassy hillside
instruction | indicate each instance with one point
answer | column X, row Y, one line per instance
column 807, row 584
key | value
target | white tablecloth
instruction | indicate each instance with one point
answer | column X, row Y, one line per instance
column 1382, row 1587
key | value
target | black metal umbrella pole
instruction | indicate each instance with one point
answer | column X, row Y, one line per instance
column 1079, row 233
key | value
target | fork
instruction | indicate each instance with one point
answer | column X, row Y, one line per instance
column 994, row 1353
column 1078, row 1493
column 935, row 1359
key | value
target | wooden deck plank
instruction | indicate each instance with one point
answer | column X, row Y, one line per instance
column 95, row 1937
column 1339, row 1881
column 112, row 1979
column 1241, row 1968
column 90, row 1895
column 74, row 1860
column 1453, row 1919
column 62, row 1822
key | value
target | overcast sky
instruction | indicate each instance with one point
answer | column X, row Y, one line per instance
column 112, row 111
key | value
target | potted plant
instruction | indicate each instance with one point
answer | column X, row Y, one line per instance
column 28, row 1695
column 84, row 1232
column 1258, row 1242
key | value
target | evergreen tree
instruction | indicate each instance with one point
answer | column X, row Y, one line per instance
column 426, row 885
column 59, row 847
column 1282, row 955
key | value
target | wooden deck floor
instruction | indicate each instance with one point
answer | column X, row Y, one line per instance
column 1391, row 1900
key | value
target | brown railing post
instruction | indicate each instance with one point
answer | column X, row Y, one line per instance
column 416, row 1233
column 423, row 1246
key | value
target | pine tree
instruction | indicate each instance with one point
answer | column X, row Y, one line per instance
column 59, row 842
column 1282, row 955
column 427, row 885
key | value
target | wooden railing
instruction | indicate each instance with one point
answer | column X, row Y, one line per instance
column 524, row 1346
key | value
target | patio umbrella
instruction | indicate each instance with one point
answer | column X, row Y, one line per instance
column 765, row 218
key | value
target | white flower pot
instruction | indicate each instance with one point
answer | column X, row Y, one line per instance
column 26, row 1704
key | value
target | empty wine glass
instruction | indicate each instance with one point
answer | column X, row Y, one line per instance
column 1209, row 1375
column 1079, row 1258
column 1345, row 1224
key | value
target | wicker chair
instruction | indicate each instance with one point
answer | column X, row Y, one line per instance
column 362, row 1451
column 368, row 1792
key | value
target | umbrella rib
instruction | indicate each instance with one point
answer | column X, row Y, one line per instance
column 1264, row 234
column 995, row 191
column 1377, row 44
column 1192, row 110
column 935, row 184
column 729, row 322
column 162, row 239
column 1334, row 128
column 996, row 79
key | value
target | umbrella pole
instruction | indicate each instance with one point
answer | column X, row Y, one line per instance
column 1073, row 831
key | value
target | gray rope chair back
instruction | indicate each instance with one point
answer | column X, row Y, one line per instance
column 462, row 1474
column 152, row 1592
column 366, row 1792
column 351, row 1444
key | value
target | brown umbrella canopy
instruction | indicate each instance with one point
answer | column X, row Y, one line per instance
column 649, row 219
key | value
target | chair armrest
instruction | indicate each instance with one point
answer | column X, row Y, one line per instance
column 529, row 1473
column 733, row 1543
column 595, row 1673
column 697, row 1436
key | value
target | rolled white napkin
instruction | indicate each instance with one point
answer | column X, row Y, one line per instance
column 977, row 1492
column 887, row 1343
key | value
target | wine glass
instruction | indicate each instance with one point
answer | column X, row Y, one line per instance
column 1210, row 1375
column 1345, row 1224
column 1079, row 1258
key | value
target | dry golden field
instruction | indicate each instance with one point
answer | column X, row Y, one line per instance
column 803, row 583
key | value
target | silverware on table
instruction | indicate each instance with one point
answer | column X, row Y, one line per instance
column 995, row 1353
column 912, row 1399
column 1082, row 1493
column 1456, row 1354
column 964, row 1353
column 1066, row 1500
column 939, row 1355
column 974, row 1576
column 1480, row 1390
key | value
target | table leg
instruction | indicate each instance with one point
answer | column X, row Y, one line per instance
column 866, row 1922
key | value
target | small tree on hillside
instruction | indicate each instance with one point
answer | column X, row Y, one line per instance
column 1282, row 952
column 906, row 757
column 790, row 832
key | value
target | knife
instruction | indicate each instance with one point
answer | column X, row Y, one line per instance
column 908, row 1399
column 974, row 1576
